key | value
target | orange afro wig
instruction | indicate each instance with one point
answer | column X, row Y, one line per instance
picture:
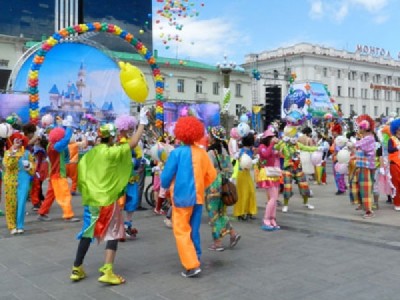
column 56, row 135
column 365, row 122
column 17, row 136
column 189, row 130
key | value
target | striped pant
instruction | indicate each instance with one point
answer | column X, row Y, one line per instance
column 361, row 185
column 288, row 175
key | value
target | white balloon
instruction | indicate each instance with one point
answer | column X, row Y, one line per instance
column 307, row 166
column 245, row 162
column 243, row 129
column 340, row 141
column 316, row 158
column 343, row 156
column 5, row 130
column 341, row 168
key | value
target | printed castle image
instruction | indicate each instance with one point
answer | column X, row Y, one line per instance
column 71, row 102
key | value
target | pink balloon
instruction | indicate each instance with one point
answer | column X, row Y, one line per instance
column 234, row 133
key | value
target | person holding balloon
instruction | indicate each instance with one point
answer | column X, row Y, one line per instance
column 292, row 168
column 246, row 206
column 320, row 168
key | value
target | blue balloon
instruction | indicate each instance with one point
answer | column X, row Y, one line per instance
column 244, row 119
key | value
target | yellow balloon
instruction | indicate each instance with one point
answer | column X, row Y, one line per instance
column 133, row 82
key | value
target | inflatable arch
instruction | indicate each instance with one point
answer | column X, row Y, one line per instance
column 33, row 75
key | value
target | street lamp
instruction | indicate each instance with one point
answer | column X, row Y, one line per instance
column 226, row 69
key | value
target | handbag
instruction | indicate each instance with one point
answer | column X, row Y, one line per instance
column 273, row 171
column 228, row 189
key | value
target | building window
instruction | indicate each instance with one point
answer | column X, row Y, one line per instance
column 339, row 91
column 387, row 110
column 397, row 110
column 181, row 86
column 353, row 92
column 351, row 108
column 339, row 73
column 364, row 109
column 375, row 110
column 325, row 72
column 376, row 94
column 364, row 93
column 398, row 96
column 352, row 75
column 388, row 95
column 199, row 87
column 389, row 80
column 215, row 88
column 238, row 90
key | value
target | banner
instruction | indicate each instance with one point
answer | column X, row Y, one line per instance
column 208, row 113
column 308, row 100
column 77, row 79
column 15, row 103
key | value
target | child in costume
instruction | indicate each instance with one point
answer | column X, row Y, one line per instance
column 361, row 182
column 188, row 172
column 126, row 125
column 42, row 166
column 339, row 143
column 246, row 206
column 269, row 163
column 103, row 174
column 74, row 148
column 58, row 184
column 19, row 167
column 290, row 149
column 320, row 170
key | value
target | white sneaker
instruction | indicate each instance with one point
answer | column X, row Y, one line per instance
column 309, row 206
column 397, row 208
column 285, row 209
column 13, row 231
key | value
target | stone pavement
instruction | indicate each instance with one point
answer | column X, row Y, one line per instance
column 327, row 253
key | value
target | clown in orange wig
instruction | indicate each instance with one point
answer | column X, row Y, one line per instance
column 188, row 172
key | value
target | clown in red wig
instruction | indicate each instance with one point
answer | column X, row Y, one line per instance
column 58, row 184
column 19, row 167
column 188, row 172
column 361, row 182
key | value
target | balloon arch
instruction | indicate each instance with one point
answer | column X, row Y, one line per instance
column 33, row 75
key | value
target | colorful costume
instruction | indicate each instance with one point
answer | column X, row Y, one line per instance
column 19, row 168
column 394, row 160
column 269, row 160
column 58, row 184
column 40, row 175
column 219, row 221
column 188, row 172
column 72, row 166
column 361, row 182
column 246, row 206
column 290, row 149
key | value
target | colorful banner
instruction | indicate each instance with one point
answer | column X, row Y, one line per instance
column 208, row 113
column 76, row 80
column 308, row 100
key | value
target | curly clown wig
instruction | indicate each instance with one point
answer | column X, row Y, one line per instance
column 365, row 122
column 189, row 130
column 56, row 135
column 394, row 126
column 125, row 122
column 17, row 136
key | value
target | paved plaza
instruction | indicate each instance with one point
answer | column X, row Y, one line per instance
column 327, row 253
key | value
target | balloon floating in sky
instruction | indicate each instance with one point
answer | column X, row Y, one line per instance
column 133, row 82
column 174, row 11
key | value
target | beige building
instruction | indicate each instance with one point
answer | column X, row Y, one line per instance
column 363, row 81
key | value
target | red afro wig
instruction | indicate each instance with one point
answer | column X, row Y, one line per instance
column 56, row 135
column 337, row 128
column 19, row 136
column 189, row 130
column 365, row 122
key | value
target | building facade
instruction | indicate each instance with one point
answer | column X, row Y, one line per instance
column 360, row 82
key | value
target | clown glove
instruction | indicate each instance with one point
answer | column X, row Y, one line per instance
column 143, row 116
column 382, row 171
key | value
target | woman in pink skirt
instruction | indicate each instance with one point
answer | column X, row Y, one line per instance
column 269, row 177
